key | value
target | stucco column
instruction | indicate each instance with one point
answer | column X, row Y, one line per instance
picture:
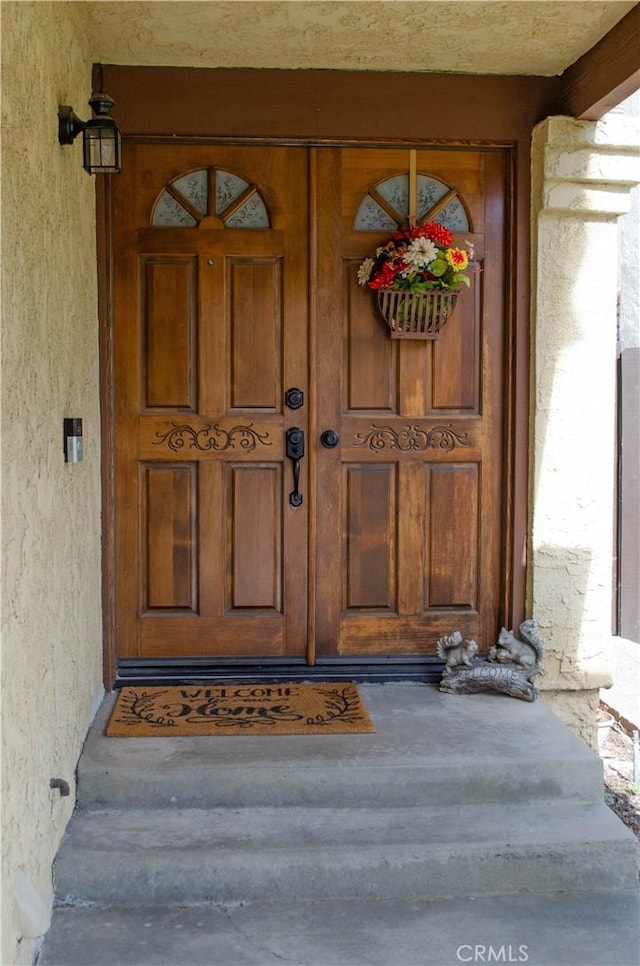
column 582, row 175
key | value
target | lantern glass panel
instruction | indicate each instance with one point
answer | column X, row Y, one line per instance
column 102, row 149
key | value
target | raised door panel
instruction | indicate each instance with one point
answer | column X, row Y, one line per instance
column 370, row 538
column 456, row 373
column 254, row 333
column 370, row 358
column 452, row 537
column 255, row 538
column 169, row 298
column 168, row 504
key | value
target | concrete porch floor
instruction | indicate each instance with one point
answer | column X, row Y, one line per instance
column 485, row 781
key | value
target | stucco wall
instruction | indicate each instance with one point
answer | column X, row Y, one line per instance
column 583, row 174
column 433, row 35
column 51, row 627
column 630, row 247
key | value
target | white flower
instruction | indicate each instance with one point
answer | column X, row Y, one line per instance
column 420, row 253
column 470, row 251
column 365, row 271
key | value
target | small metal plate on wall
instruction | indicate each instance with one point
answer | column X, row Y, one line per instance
column 294, row 398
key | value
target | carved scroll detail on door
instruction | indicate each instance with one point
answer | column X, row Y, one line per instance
column 412, row 438
column 212, row 438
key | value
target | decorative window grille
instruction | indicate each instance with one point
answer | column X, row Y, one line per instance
column 385, row 207
column 195, row 196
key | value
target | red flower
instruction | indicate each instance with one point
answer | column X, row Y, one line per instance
column 431, row 229
column 385, row 276
column 437, row 233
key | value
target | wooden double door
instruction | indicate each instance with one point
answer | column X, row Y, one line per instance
column 292, row 485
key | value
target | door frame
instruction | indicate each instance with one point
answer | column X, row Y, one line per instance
column 141, row 107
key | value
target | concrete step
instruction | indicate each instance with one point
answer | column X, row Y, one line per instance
column 560, row 929
column 429, row 748
column 252, row 854
column 452, row 796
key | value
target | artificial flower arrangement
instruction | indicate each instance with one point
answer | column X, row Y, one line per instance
column 416, row 274
column 417, row 259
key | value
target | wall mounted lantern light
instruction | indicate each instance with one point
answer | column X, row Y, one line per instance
column 100, row 135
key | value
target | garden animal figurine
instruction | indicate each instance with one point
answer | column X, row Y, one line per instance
column 455, row 651
column 525, row 653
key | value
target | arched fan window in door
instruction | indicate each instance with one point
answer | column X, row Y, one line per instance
column 386, row 206
column 210, row 198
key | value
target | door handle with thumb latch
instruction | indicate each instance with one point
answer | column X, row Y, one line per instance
column 295, row 452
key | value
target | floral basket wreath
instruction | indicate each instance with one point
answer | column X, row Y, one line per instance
column 416, row 275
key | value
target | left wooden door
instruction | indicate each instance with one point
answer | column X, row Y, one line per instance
column 210, row 307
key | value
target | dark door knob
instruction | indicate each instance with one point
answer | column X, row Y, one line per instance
column 294, row 398
column 329, row 438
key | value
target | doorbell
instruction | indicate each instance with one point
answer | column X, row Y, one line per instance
column 73, row 441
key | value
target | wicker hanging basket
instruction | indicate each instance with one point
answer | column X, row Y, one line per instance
column 415, row 315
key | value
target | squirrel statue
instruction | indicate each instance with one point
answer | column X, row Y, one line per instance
column 509, row 650
column 456, row 651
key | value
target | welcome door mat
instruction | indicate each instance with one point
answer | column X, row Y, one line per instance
column 239, row 709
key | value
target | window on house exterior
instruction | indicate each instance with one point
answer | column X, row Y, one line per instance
column 197, row 195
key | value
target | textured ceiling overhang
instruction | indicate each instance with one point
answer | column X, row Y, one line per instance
column 467, row 36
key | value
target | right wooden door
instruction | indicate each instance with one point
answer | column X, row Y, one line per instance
column 410, row 514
